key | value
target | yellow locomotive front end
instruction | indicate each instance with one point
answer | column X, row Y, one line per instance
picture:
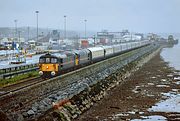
column 48, row 65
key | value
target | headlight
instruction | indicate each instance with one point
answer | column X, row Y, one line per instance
column 40, row 73
column 53, row 73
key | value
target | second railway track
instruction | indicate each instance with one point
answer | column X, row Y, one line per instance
column 6, row 90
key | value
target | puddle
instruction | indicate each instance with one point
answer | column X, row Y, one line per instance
column 177, row 78
column 2, row 92
column 170, row 94
column 149, row 95
column 158, row 75
column 162, row 85
column 175, row 90
column 170, row 75
column 151, row 84
column 131, row 112
column 163, row 80
column 121, row 114
column 151, row 118
column 169, row 105
column 178, row 82
column 136, row 90
column 153, row 77
column 118, row 116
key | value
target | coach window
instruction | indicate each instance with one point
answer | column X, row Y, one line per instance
column 61, row 61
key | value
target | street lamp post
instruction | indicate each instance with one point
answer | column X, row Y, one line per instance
column 94, row 40
column 37, row 23
column 65, row 26
column 15, row 21
column 28, row 32
column 19, row 34
column 85, row 28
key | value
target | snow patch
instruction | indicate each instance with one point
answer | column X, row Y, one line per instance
column 162, row 85
column 169, row 105
column 151, row 118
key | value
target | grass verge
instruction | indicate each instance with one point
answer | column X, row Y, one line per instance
column 18, row 78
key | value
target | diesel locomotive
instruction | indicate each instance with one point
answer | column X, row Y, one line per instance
column 55, row 64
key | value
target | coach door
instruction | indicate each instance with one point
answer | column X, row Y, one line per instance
column 77, row 60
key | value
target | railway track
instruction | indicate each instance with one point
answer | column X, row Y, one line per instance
column 13, row 73
column 5, row 91
column 21, row 96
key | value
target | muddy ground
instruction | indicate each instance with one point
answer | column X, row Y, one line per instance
column 138, row 97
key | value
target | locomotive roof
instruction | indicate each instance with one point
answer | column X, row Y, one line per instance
column 60, row 55
column 81, row 51
column 106, row 46
column 64, row 54
column 47, row 55
column 118, row 45
column 95, row 48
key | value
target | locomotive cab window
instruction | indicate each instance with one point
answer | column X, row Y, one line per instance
column 47, row 60
column 53, row 60
column 42, row 60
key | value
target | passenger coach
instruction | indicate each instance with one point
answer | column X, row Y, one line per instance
column 59, row 63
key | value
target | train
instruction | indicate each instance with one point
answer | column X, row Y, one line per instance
column 51, row 65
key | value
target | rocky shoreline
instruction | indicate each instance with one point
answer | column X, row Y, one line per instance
column 141, row 95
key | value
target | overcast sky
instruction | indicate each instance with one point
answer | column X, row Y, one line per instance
column 113, row 15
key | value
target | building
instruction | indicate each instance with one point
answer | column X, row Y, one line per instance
column 105, row 37
column 12, row 43
column 54, row 37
